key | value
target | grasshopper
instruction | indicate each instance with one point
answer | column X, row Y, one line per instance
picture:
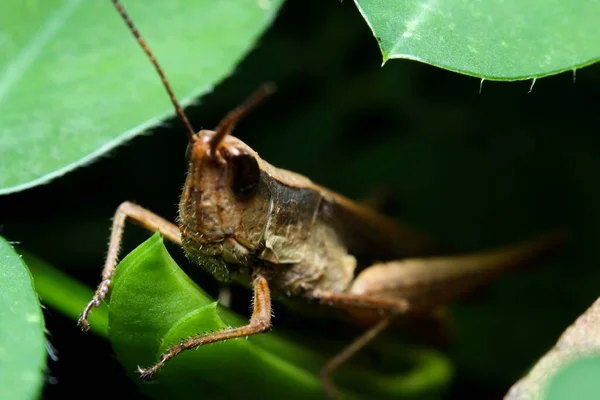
column 246, row 221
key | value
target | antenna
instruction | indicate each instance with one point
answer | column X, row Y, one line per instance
column 136, row 33
column 229, row 122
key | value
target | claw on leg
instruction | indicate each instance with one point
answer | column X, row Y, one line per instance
column 146, row 373
column 83, row 319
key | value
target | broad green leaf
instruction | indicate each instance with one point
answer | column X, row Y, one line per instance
column 568, row 366
column 22, row 340
column 494, row 40
column 74, row 83
column 154, row 305
column 578, row 380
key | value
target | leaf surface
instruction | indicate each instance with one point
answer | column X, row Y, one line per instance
column 74, row 83
column 22, row 339
column 494, row 40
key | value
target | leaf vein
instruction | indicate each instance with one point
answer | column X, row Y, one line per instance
column 413, row 23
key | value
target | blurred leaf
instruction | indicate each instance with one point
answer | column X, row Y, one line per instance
column 74, row 84
column 578, row 380
column 580, row 341
column 64, row 294
column 22, row 340
column 154, row 305
column 495, row 40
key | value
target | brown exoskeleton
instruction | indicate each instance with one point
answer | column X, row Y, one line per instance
column 246, row 221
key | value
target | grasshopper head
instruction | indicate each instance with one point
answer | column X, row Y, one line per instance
column 225, row 204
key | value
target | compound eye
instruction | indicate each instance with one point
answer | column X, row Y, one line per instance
column 244, row 175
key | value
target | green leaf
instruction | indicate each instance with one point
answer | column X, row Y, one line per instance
column 578, row 380
column 74, row 83
column 154, row 305
column 22, row 340
column 494, row 40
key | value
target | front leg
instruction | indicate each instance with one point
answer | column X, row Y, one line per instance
column 260, row 322
column 142, row 217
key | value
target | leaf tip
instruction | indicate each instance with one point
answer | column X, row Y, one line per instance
column 384, row 59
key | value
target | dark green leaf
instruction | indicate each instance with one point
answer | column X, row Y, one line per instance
column 154, row 305
column 22, row 340
column 74, row 84
column 495, row 40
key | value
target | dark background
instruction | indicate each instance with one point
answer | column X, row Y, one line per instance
column 471, row 169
